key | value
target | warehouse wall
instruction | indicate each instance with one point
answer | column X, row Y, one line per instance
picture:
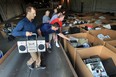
column 10, row 8
column 93, row 5
column 88, row 5
column 106, row 6
column 75, row 5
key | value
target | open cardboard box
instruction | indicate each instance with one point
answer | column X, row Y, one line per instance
column 113, row 23
column 105, row 21
column 111, row 45
column 95, row 41
column 93, row 25
column 90, row 24
column 65, row 41
column 71, row 50
column 86, row 18
column 113, row 42
column 91, row 39
column 105, row 32
column 66, row 28
column 103, row 52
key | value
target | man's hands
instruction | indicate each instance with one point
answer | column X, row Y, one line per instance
column 28, row 33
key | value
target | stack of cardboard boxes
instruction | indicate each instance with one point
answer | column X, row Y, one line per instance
column 99, row 48
column 105, row 48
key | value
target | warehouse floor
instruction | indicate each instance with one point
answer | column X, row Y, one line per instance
column 15, row 65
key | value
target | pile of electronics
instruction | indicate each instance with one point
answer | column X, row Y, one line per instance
column 103, row 37
column 8, row 28
column 99, row 68
column 79, row 42
column 75, row 22
column 87, row 27
column 71, row 30
column 71, row 16
column 79, row 22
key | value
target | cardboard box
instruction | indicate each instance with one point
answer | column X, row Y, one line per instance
column 111, row 45
column 66, row 28
column 65, row 44
column 4, row 34
column 83, row 30
column 92, row 25
column 103, row 52
column 86, row 18
column 105, row 21
column 91, row 39
column 113, row 23
column 72, row 51
column 113, row 42
column 64, row 40
column 105, row 32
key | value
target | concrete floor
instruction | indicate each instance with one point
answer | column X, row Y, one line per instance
column 15, row 64
column 5, row 45
column 57, row 65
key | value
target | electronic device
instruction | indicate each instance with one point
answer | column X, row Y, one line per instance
column 74, row 43
column 31, row 46
column 34, row 44
column 96, row 67
column 22, row 46
column 41, row 44
column 31, row 43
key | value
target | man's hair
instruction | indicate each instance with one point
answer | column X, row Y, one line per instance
column 56, row 25
column 28, row 8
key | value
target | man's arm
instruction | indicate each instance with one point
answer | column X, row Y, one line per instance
column 18, row 30
column 63, row 36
